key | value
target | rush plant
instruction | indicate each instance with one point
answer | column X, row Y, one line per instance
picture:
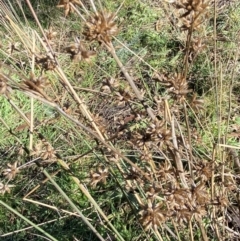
column 100, row 145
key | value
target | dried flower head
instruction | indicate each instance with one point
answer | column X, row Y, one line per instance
column 222, row 201
column 199, row 212
column 146, row 155
column 78, row 52
column 50, row 35
column 204, row 171
column 192, row 12
column 141, row 140
column 153, row 191
column 179, row 86
column 5, row 188
column 179, row 199
column 11, row 171
column 67, row 6
column 185, row 203
column 49, row 152
column 166, row 173
column 192, row 5
column 196, row 47
column 101, row 27
column 44, row 150
column 152, row 215
column 200, row 195
column 159, row 134
column 183, row 215
column 36, row 84
column 100, row 175
column 46, row 62
column 40, row 82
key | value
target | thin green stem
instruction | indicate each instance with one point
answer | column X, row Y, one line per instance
column 73, row 205
column 27, row 220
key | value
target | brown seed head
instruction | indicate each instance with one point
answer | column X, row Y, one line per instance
column 11, row 171
column 100, row 175
column 101, row 27
column 152, row 215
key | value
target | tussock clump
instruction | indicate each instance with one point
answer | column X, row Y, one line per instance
column 126, row 149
